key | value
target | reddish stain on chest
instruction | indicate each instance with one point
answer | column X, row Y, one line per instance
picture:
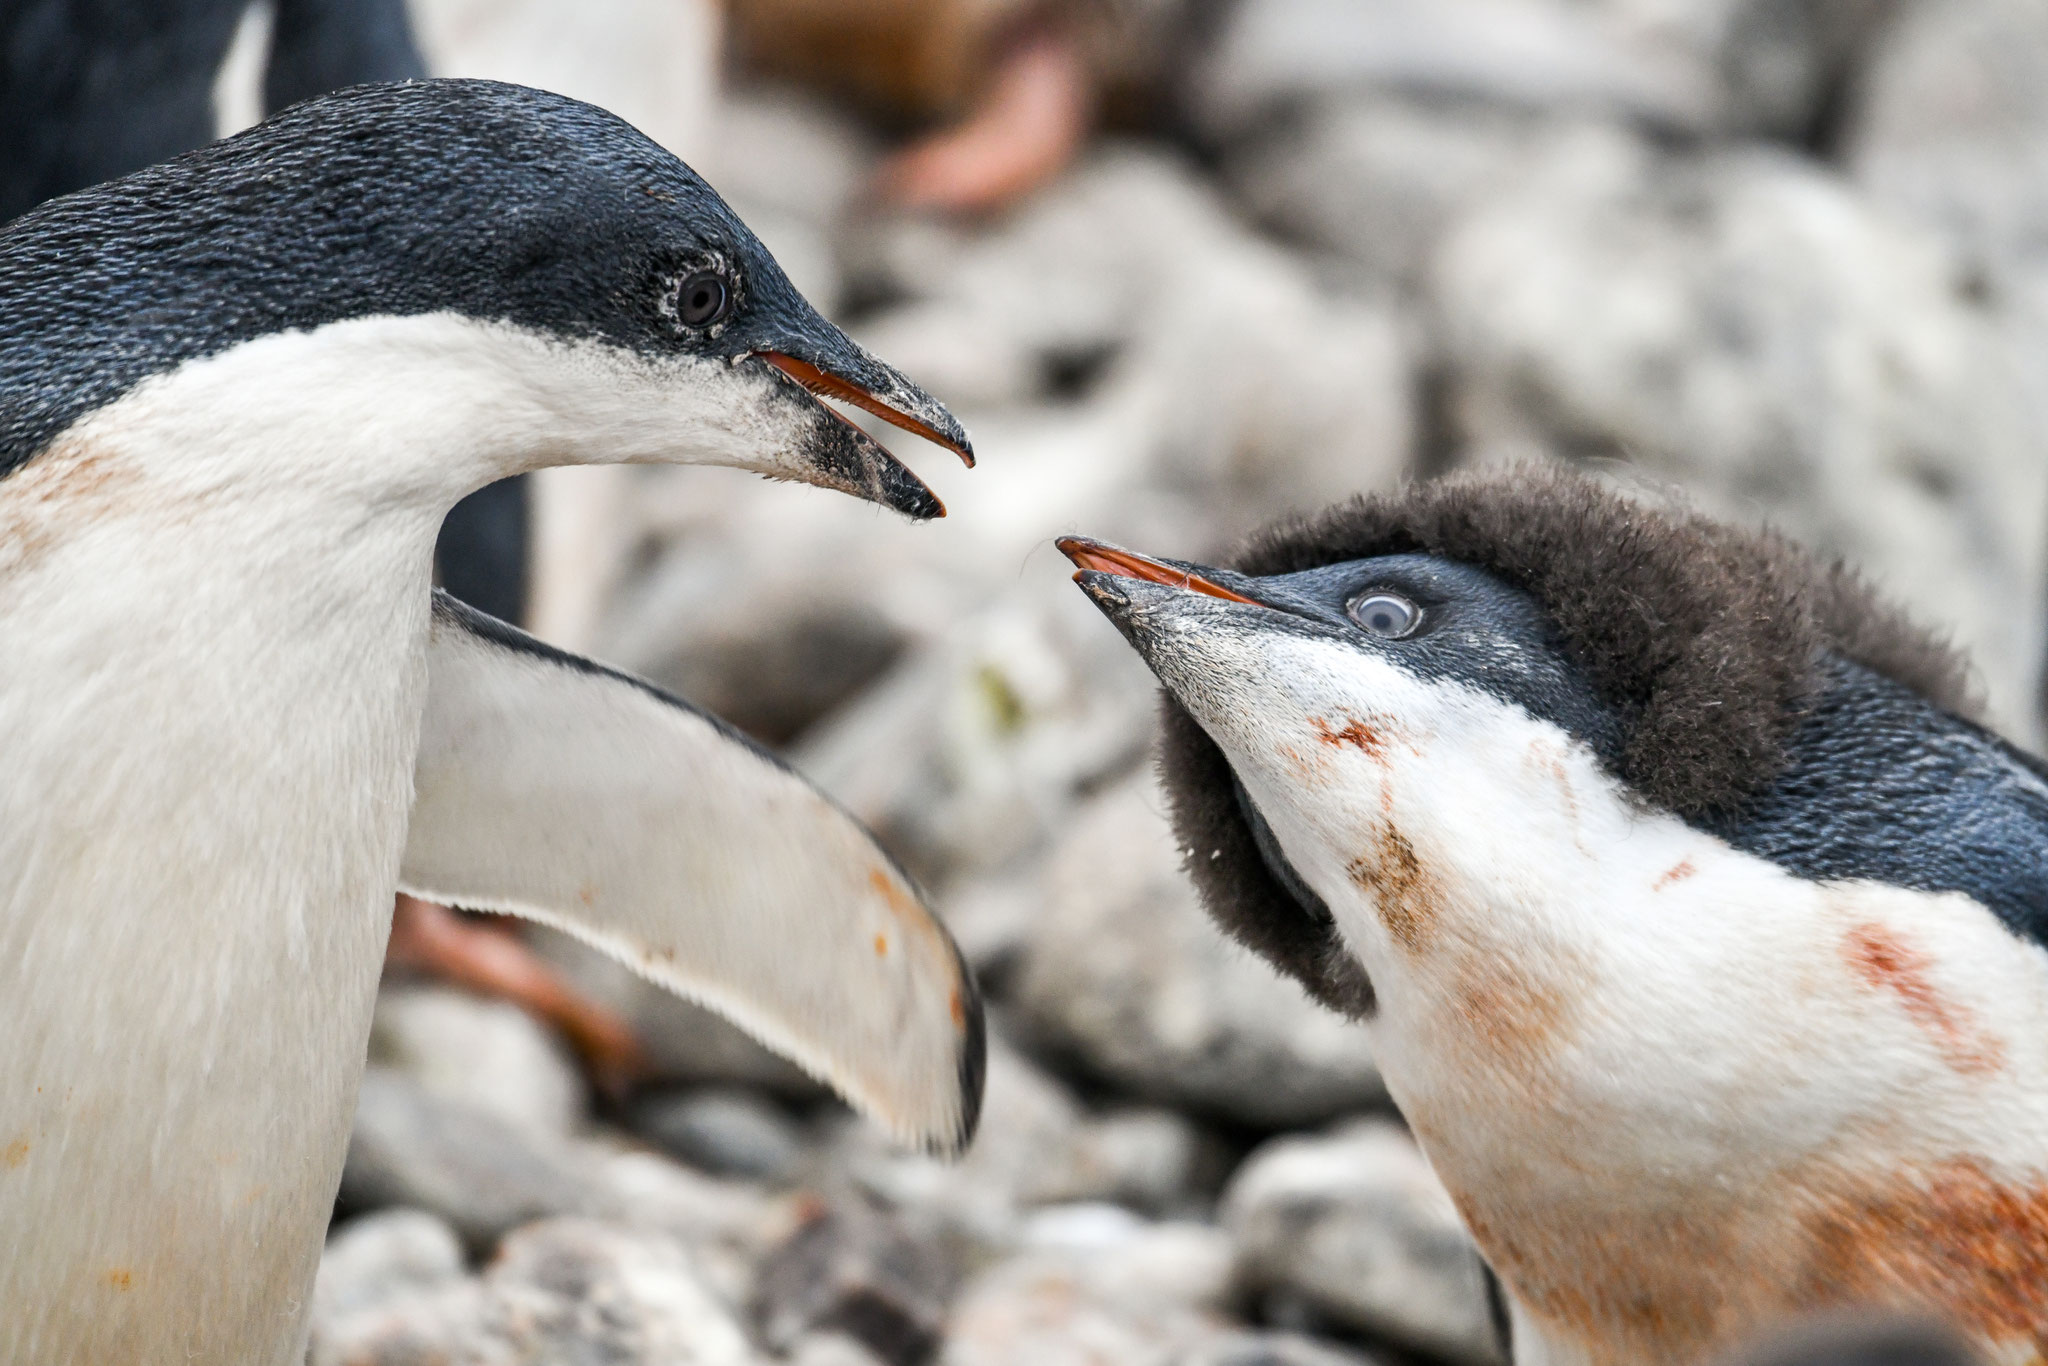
column 1954, row 1237
column 1359, row 735
column 1686, row 1282
column 1883, row 960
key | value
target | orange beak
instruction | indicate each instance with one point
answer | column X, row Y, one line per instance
column 1108, row 559
column 831, row 386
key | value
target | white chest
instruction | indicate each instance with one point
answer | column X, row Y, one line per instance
column 210, row 694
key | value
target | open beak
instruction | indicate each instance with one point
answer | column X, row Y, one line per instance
column 1100, row 557
column 826, row 385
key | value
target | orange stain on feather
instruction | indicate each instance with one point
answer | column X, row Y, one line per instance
column 73, row 486
column 1886, row 962
column 1952, row 1236
column 1677, row 872
column 1407, row 898
column 121, row 1278
column 14, row 1154
column 1687, row 1282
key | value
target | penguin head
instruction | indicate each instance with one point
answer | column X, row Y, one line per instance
column 554, row 254
column 1472, row 672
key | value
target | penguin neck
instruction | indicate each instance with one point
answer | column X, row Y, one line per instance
column 380, row 413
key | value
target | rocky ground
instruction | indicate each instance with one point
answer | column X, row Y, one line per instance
column 1789, row 255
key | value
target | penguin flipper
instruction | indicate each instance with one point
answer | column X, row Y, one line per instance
column 555, row 789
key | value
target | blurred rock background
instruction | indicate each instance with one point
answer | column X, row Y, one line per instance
column 1789, row 256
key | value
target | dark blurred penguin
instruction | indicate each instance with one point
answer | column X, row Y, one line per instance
column 1699, row 932
column 238, row 392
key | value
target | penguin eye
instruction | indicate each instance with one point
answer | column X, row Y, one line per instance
column 1384, row 614
column 703, row 299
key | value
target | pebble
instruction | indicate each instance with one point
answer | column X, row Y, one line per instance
column 1353, row 1227
column 724, row 1131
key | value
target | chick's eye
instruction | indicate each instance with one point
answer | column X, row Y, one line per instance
column 702, row 299
column 1386, row 614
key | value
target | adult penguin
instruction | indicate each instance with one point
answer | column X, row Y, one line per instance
column 238, row 392
column 94, row 89
column 1701, row 936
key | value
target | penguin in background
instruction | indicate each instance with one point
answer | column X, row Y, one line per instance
column 238, row 393
column 1701, row 934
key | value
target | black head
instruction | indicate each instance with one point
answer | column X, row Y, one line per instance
column 1682, row 652
column 488, row 201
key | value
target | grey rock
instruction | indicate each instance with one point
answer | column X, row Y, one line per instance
column 1272, row 1349
column 468, row 1166
column 485, row 1176
column 561, row 1290
column 392, row 1290
column 380, row 1257
column 488, row 1055
column 851, row 1269
column 728, row 1132
column 728, row 1226
column 1523, row 54
column 1147, row 1157
column 1126, row 972
column 1146, row 1299
column 1751, row 67
column 1378, row 178
column 443, row 1326
column 1124, row 266
column 829, row 1349
column 1742, row 324
column 970, row 754
column 1037, row 1146
column 1951, row 128
column 579, row 1290
column 1356, row 1226
column 1781, row 66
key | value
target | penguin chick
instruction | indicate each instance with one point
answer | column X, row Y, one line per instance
column 1699, row 932
column 238, row 393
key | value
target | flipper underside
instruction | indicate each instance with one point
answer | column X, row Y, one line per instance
column 555, row 789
